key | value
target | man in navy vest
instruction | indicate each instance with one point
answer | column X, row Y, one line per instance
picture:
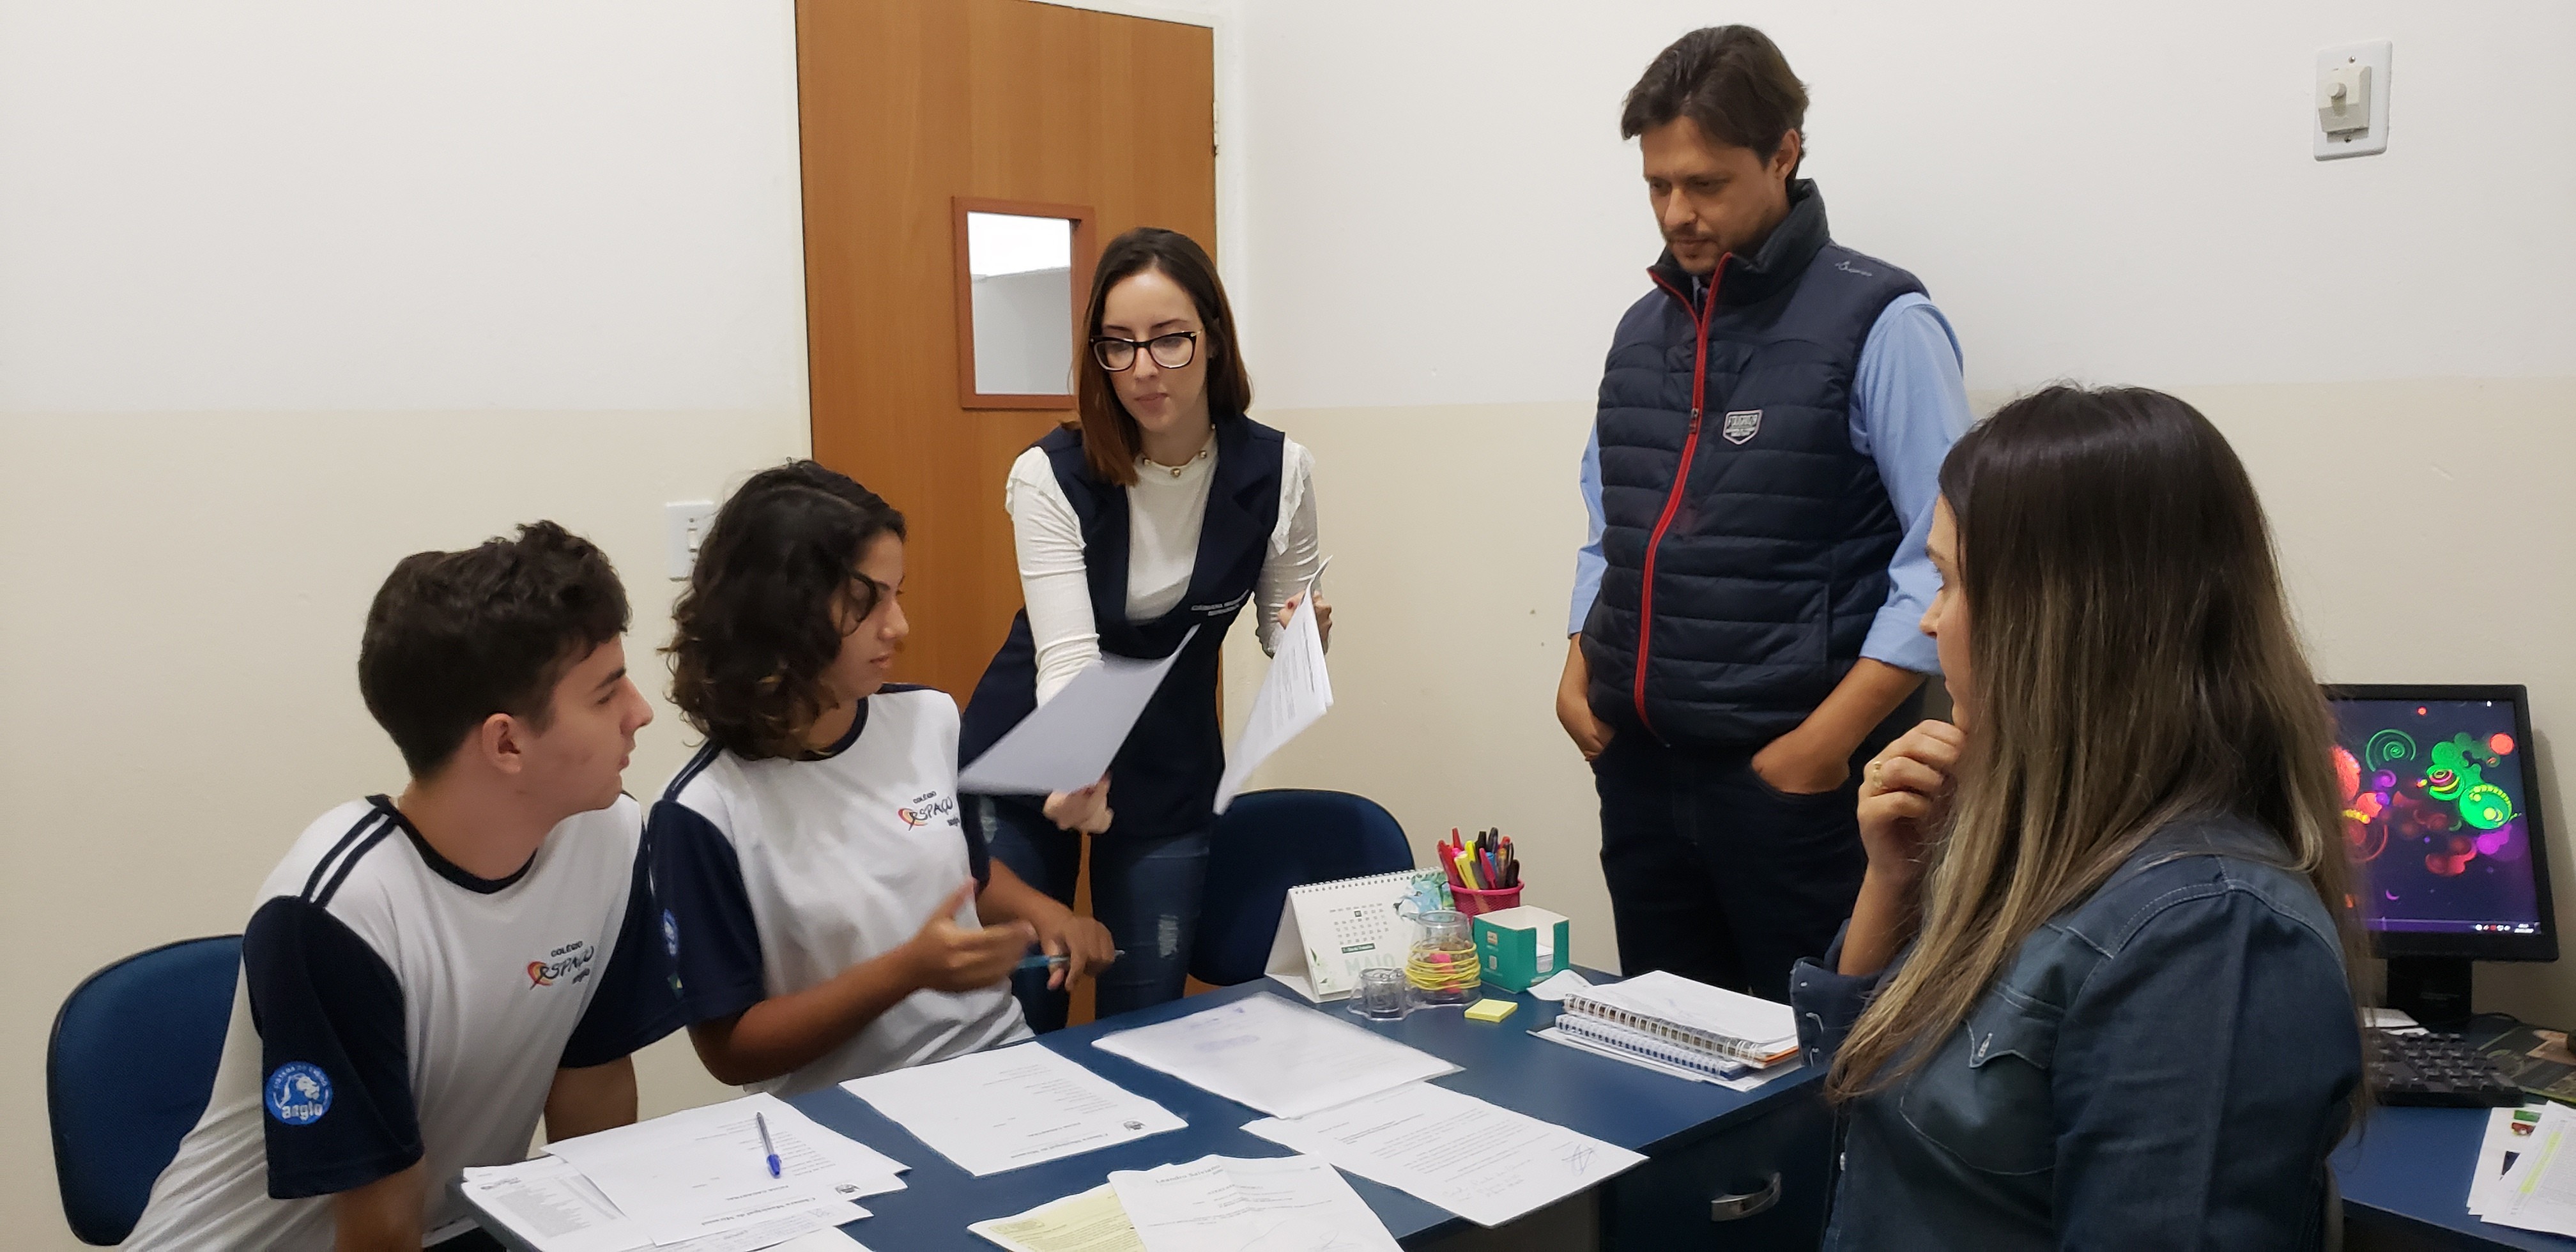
column 1772, row 421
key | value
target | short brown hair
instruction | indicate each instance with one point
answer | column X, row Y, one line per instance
column 455, row 637
column 1110, row 437
column 1730, row 81
column 756, row 627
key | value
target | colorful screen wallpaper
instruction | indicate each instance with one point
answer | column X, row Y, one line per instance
column 2434, row 817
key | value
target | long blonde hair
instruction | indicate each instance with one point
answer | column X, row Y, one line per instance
column 2133, row 664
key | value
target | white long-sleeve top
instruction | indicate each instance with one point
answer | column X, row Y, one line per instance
column 1164, row 516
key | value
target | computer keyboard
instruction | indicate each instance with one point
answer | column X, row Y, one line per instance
column 2436, row 1067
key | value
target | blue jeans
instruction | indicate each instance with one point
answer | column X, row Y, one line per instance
column 1145, row 888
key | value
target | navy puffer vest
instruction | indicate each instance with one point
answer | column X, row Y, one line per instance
column 1747, row 541
column 1163, row 780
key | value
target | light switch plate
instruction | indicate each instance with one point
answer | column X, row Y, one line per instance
column 685, row 525
column 2373, row 55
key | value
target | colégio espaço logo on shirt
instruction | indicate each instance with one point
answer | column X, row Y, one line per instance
column 569, row 963
column 928, row 807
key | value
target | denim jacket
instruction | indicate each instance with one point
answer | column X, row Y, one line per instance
column 2164, row 1065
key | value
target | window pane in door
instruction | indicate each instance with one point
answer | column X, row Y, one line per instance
column 1021, row 277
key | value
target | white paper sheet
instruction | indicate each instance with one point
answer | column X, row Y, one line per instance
column 1560, row 984
column 822, row 1241
column 1481, row 1161
column 2539, row 1191
column 1000, row 1110
column 2501, row 1147
column 550, row 1205
column 1278, row 1057
column 1066, row 744
column 1255, row 1204
column 702, row 1171
column 554, row 1208
column 1294, row 695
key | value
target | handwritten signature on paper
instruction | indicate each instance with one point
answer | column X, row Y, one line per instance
column 1579, row 1158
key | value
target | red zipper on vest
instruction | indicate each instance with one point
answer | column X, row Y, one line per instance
column 1681, row 478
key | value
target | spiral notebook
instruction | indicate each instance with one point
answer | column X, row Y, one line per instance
column 1330, row 931
column 1659, row 1012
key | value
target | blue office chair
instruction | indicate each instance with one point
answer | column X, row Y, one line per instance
column 1269, row 841
column 128, row 1072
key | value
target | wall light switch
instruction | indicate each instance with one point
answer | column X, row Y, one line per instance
column 2351, row 101
column 685, row 525
column 2343, row 99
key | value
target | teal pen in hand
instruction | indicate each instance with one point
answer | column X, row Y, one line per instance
column 1043, row 961
column 766, row 1146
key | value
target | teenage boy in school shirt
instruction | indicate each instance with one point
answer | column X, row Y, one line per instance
column 424, row 977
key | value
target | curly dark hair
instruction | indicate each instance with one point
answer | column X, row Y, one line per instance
column 756, row 627
column 455, row 637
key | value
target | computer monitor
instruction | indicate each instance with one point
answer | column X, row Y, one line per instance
column 2442, row 821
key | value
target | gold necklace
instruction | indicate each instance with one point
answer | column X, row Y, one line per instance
column 1175, row 470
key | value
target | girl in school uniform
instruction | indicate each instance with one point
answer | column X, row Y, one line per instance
column 2096, row 990
column 1165, row 509
column 828, row 912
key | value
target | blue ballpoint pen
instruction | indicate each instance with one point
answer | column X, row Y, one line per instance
column 1042, row 960
column 766, row 1146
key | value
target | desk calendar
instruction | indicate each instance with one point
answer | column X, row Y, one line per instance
column 1330, row 931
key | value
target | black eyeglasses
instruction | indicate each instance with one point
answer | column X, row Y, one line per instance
column 1170, row 351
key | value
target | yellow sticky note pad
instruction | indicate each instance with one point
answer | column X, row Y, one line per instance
column 1490, row 1010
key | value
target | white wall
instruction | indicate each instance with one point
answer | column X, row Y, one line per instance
column 2098, row 192
column 288, row 290
column 1439, row 226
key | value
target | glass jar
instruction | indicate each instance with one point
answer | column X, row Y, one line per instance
column 1443, row 967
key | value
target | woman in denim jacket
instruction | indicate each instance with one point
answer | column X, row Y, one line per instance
column 2095, row 991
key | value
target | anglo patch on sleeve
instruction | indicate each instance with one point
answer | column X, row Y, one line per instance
column 299, row 1093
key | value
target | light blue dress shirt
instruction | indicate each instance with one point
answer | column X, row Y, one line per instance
column 1909, row 404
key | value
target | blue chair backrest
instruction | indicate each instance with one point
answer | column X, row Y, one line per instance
column 1269, row 841
column 128, row 1072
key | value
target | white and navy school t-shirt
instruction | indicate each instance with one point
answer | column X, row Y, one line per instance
column 776, row 875
column 394, row 1008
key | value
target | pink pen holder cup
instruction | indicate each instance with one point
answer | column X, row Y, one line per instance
column 1472, row 902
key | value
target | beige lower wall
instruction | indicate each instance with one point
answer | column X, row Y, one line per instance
column 2428, row 528
column 178, row 645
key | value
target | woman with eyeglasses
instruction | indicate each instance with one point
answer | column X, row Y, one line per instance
column 1164, row 509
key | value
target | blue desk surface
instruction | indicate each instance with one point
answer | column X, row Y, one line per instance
column 1610, row 1100
column 2411, row 1166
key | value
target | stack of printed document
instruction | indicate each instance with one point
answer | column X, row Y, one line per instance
column 695, row 1181
column 1281, row 1058
column 2526, row 1174
column 1482, row 1161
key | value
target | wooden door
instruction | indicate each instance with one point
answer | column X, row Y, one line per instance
column 907, row 107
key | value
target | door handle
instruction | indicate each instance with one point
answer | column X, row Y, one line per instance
column 1728, row 1208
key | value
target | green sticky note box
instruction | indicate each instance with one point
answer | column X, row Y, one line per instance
column 1521, row 946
